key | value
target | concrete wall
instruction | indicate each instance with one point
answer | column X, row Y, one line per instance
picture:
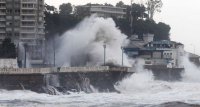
column 8, row 63
column 52, row 70
column 63, row 79
column 47, row 80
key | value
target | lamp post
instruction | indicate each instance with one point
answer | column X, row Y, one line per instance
column 54, row 53
column 104, row 46
column 122, row 56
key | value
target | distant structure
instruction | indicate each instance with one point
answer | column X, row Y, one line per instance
column 23, row 21
column 162, row 53
column 105, row 11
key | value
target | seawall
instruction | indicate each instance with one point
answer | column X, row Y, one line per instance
column 87, row 79
column 50, row 80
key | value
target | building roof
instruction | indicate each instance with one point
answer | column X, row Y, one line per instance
column 192, row 55
column 102, row 6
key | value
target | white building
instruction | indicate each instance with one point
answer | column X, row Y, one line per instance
column 163, row 52
column 107, row 11
column 23, row 21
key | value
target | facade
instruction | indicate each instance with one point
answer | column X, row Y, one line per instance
column 106, row 11
column 23, row 21
column 163, row 52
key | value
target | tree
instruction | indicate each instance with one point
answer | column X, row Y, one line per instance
column 106, row 4
column 120, row 4
column 162, row 31
column 50, row 9
column 138, row 11
column 8, row 49
column 65, row 9
column 81, row 12
column 152, row 7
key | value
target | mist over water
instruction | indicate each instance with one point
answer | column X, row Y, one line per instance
column 192, row 72
column 83, row 45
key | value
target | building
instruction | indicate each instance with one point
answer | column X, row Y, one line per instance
column 23, row 21
column 164, row 52
column 105, row 11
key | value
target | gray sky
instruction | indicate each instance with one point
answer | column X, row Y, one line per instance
column 182, row 15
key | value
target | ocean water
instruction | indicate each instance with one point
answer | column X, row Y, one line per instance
column 138, row 90
column 147, row 94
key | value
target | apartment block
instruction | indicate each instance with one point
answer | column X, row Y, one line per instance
column 105, row 11
column 23, row 21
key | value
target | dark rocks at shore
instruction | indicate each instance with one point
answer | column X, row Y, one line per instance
column 177, row 104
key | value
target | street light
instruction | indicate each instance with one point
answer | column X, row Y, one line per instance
column 54, row 53
column 104, row 46
column 122, row 56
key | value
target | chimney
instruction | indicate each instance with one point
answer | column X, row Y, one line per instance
column 148, row 37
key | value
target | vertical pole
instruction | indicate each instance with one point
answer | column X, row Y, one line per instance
column 122, row 56
column 54, row 53
column 104, row 54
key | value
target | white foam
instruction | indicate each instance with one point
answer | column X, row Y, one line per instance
column 85, row 43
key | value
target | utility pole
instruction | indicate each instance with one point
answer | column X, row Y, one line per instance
column 54, row 53
column 104, row 46
column 122, row 56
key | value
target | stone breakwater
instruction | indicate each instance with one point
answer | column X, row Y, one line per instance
column 53, row 80
column 65, row 79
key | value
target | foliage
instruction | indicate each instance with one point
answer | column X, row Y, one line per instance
column 8, row 49
column 65, row 19
column 65, row 9
column 153, row 6
column 120, row 4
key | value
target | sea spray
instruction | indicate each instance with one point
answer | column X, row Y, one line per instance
column 192, row 72
column 83, row 45
column 137, row 82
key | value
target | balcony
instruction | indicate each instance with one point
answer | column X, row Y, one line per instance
column 28, row 13
column 2, row 7
column 2, row 25
column 28, row 31
column 2, row 19
column 28, row 25
column 2, row 31
column 29, row 1
column 2, row 1
column 28, row 19
column 2, row 13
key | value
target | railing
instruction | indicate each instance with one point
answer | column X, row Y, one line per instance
column 29, row 1
column 51, row 70
column 2, row 1
column 61, row 70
